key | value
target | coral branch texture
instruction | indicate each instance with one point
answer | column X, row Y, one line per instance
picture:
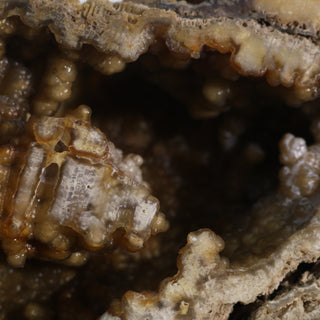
column 206, row 110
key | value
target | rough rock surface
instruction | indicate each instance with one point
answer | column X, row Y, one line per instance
column 263, row 37
column 67, row 195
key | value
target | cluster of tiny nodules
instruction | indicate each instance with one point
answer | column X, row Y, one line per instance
column 278, row 216
column 55, row 86
column 299, row 177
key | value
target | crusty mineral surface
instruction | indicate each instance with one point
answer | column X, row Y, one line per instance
column 207, row 111
column 67, row 181
column 264, row 37
column 299, row 300
column 283, row 232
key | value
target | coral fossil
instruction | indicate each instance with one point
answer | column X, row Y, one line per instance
column 68, row 176
column 68, row 195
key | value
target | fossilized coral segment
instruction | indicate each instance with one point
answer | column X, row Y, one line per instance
column 261, row 42
column 67, row 189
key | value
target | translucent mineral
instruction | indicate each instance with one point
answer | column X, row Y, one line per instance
column 196, row 97
column 66, row 187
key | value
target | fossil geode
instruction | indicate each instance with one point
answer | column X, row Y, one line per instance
column 195, row 95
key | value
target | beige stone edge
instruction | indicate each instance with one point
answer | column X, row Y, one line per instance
column 206, row 287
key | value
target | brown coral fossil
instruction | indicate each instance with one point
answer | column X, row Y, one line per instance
column 66, row 181
column 68, row 195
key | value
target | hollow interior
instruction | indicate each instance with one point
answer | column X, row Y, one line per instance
column 207, row 171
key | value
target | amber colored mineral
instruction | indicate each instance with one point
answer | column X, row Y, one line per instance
column 66, row 188
column 197, row 97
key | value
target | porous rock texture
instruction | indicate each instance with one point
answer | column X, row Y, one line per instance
column 69, row 196
column 301, row 301
column 283, row 232
column 126, row 29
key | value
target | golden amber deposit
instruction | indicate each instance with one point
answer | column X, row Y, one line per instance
column 189, row 189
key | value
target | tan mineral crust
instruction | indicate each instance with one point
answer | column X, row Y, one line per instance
column 189, row 189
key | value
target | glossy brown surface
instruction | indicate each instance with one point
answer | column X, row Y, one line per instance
column 182, row 88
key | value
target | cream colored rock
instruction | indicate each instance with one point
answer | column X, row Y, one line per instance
column 282, row 233
column 298, row 301
column 262, row 37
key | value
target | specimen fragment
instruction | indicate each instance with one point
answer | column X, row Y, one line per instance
column 70, row 197
column 66, row 189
